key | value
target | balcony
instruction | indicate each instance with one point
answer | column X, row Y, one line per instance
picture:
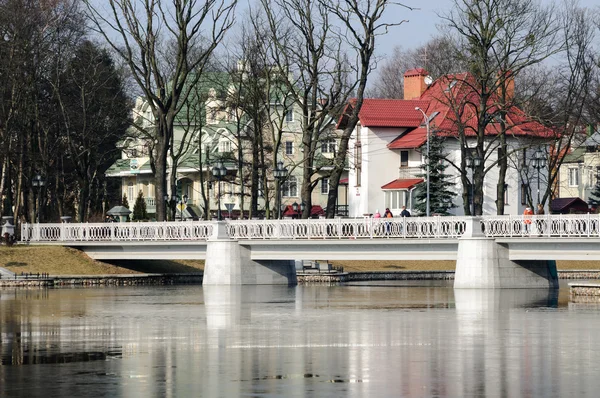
column 410, row 172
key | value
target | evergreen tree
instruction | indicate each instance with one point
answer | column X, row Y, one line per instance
column 125, row 202
column 594, row 198
column 440, row 195
column 139, row 208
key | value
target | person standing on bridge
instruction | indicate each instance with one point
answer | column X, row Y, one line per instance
column 404, row 213
column 388, row 225
column 527, row 219
column 540, row 223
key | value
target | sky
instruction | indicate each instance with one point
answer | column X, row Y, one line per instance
column 423, row 23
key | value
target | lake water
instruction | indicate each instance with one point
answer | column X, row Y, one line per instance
column 414, row 339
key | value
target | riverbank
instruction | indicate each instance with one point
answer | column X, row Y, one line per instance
column 54, row 260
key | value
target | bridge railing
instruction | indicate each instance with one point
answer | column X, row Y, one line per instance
column 555, row 225
column 578, row 225
column 98, row 232
column 366, row 228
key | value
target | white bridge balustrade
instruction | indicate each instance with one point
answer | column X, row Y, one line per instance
column 111, row 232
column 550, row 226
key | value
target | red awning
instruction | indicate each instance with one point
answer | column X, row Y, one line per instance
column 408, row 183
column 344, row 181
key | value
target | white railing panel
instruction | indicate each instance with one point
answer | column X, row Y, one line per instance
column 99, row 232
column 360, row 228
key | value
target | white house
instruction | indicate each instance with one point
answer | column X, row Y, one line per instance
column 388, row 148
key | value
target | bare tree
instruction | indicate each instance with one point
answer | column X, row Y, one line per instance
column 438, row 57
column 308, row 54
column 363, row 21
column 499, row 39
column 166, row 47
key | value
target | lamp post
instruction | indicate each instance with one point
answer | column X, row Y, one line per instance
column 166, row 198
column 296, row 207
column 280, row 174
column 171, row 202
column 539, row 162
column 473, row 163
column 426, row 119
column 182, row 204
column 219, row 171
column 38, row 183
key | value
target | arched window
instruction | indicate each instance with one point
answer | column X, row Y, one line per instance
column 290, row 187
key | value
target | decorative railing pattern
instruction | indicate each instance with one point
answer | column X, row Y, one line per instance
column 555, row 225
column 99, row 232
column 414, row 227
column 585, row 225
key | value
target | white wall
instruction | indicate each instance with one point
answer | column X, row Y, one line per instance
column 379, row 166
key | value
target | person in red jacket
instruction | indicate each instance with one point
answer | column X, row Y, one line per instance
column 527, row 218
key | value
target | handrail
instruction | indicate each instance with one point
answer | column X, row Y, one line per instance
column 549, row 226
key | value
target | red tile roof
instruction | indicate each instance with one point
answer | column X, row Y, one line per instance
column 403, row 184
column 458, row 88
column 412, row 139
column 391, row 113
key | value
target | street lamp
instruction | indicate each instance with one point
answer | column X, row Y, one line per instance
column 539, row 162
column 427, row 127
column 473, row 163
column 38, row 183
column 182, row 206
column 296, row 207
column 280, row 173
column 219, row 171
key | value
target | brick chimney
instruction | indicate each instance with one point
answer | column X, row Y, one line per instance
column 510, row 86
column 414, row 83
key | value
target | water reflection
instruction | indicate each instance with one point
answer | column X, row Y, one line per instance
column 495, row 341
column 383, row 339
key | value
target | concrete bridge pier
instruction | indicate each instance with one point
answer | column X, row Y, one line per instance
column 229, row 263
column 483, row 263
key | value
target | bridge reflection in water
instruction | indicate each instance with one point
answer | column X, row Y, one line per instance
column 368, row 339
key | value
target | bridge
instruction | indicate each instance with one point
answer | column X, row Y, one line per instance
column 490, row 251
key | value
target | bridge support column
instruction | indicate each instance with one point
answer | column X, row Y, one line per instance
column 483, row 263
column 229, row 263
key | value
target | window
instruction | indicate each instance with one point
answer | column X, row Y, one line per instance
column 290, row 187
column 573, row 176
column 524, row 193
column 358, row 162
column 396, row 199
column 328, row 146
column 130, row 192
column 224, row 146
column 289, row 147
column 289, row 115
column 523, row 159
column 325, row 186
column 403, row 158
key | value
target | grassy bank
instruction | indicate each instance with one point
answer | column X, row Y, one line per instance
column 56, row 260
